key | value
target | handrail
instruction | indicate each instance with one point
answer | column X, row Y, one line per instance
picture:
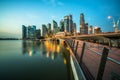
column 108, row 58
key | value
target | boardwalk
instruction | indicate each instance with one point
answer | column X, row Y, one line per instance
column 92, row 60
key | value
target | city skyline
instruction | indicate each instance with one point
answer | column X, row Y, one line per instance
column 15, row 13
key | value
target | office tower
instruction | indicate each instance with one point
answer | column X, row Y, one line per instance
column 90, row 30
column 55, row 27
column 74, row 29
column 83, row 25
column 38, row 33
column 24, row 32
column 97, row 30
column 62, row 25
column 68, row 24
column 49, row 27
column 49, row 32
column 31, row 32
column 44, row 30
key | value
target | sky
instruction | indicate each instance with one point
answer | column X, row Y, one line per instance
column 15, row 13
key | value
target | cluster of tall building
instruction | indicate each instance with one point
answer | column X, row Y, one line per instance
column 30, row 32
column 85, row 29
column 66, row 25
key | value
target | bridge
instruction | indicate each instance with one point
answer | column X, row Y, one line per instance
column 111, row 39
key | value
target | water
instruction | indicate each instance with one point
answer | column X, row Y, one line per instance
column 34, row 60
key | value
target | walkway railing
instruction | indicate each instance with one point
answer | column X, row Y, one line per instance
column 82, row 49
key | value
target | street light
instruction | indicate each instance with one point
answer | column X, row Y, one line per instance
column 115, row 24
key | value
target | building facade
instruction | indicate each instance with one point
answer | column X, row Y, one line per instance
column 44, row 30
column 24, row 32
column 55, row 27
column 97, row 30
column 83, row 25
column 68, row 24
column 62, row 25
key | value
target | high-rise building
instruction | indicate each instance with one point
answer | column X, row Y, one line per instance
column 90, row 30
column 38, row 33
column 31, row 32
column 49, row 29
column 71, row 29
column 97, row 30
column 55, row 27
column 83, row 25
column 68, row 24
column 24, row 32
column 44, row 30
column 62, row 25
column 74, row 29
column 49, row 26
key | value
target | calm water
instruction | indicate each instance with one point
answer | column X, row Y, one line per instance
column 23, row 60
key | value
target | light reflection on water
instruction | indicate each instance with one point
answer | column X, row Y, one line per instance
column 34, row 60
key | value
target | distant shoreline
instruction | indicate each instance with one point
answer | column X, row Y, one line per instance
column 10, row 39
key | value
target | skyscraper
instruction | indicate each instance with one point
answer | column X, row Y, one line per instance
column 62, row 25
column 24, row 32
column 68, row 24
column 83, row 25
column 90, row 30
column 44, row 30
column 74, row 29
column 55, row 27
column 31, row 32
column 49, row 29
column 38, row 33
column 71, row 30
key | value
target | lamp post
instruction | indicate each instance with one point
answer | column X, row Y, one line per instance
column 115, row 24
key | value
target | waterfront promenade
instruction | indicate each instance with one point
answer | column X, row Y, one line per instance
column 91, row 59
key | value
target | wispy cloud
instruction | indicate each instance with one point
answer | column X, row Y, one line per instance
column 53, row 2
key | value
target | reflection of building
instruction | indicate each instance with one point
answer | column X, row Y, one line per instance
column 97, row 30
column 83, row 25
column 44, row 31
column 29, row 47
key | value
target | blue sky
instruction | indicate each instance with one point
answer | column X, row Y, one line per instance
column 15, row 13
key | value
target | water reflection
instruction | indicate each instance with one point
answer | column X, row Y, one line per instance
column 50, row 50
column 30, row 47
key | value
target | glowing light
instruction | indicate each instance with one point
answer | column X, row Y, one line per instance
column 109, row 17
column 65, row 62
column 30, row 53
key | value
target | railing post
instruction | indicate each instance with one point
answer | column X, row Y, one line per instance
column 73, row 45
column 76, row 48
column 83, row 49
column 102, row 63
